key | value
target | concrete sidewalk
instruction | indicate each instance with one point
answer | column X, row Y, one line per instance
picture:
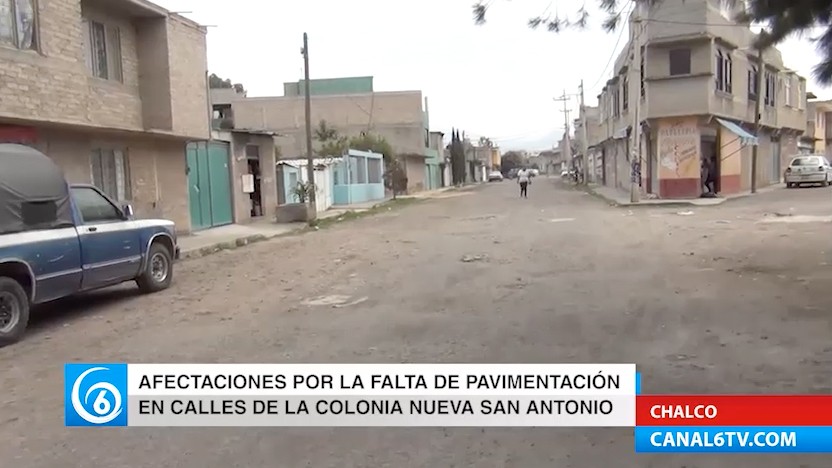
column 446, row 192
column 209, row 241
column 213, row 240
column 620, row 197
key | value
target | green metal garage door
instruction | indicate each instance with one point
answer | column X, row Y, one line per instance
column 209, row 184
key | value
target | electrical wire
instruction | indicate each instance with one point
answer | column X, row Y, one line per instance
column 614, row 50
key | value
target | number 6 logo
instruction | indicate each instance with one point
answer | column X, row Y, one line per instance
column 105, row 410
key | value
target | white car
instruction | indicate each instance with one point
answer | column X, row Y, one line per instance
column 809, row 169
column 495, row 176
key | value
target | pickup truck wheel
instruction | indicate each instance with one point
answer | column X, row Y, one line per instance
column 14, row 311
column 158, row 272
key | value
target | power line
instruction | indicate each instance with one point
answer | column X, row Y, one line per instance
column 614, row 48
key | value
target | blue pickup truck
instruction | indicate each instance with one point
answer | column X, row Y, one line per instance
column 57, row 240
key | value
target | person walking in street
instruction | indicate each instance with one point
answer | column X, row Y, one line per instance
column 524, row 179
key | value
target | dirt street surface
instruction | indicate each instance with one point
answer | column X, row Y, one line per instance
column 704, row 300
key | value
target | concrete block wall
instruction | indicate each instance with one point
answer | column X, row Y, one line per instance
column 397, row 116
column 157, row 169
column 268, row 183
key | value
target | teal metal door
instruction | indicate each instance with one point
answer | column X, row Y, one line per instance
column 219, row 175
column 209, row 185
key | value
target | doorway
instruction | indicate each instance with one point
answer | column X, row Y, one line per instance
column 709, row 155
column 604, row 166
column 256, row 196
column 775, row 161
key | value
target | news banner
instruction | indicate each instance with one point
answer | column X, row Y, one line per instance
column 442, row 395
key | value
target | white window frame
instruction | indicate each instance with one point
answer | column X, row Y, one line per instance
column 625, row 94
column 16, row 21
column 754, row 92
column 112, row 68
column 787, row 90
column 110, row 172
column 769, row 89
column 723, row 75
column 801, row 95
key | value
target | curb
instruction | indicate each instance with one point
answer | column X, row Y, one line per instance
column 234, row 244
column 668, row 204
column 254, row 238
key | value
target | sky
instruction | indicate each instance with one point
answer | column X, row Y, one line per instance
column 497, row 80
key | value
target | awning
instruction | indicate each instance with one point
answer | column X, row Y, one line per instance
column 745, row 137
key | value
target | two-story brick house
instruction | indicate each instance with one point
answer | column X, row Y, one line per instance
column 696, row 88
column 110, row 89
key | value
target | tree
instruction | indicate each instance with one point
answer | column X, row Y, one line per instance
column 486, row 142
column 395, row 176
column 779, row 19
column 373, row 143
column 332, row 144
column 215, row 82
column 511, row 160
column 458, row 169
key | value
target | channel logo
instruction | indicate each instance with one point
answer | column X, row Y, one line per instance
column 95, row 394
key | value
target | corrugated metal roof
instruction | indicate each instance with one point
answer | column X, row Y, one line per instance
column 316, row 161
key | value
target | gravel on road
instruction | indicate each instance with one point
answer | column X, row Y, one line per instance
column 712, row 302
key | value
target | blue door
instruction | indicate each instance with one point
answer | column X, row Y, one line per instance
column 110, row 247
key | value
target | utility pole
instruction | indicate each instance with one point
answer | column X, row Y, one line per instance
column 635, row 158
column 758, row 110
column 584, row 142
column 310, row 159
column 567, row 150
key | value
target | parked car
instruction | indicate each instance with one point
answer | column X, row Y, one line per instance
column 57, row 240
column 534, row 172
column 809, row 169
column 512, row 173
column 495, row 176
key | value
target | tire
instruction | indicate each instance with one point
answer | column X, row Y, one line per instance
column 158, row 271
column 14, row 311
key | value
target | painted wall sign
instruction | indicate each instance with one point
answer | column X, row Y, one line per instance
column 679, row 148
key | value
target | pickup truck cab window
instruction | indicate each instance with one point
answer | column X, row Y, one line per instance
column 94, row 207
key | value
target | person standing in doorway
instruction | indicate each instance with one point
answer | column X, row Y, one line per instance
column 524, row 179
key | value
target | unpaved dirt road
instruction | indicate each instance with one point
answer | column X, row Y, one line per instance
column 710, row 302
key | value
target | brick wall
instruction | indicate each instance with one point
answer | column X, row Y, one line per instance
column 188, row 74
column 54, row 84
column 157, row 168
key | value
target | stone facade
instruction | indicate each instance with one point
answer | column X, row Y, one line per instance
column 154, row 101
